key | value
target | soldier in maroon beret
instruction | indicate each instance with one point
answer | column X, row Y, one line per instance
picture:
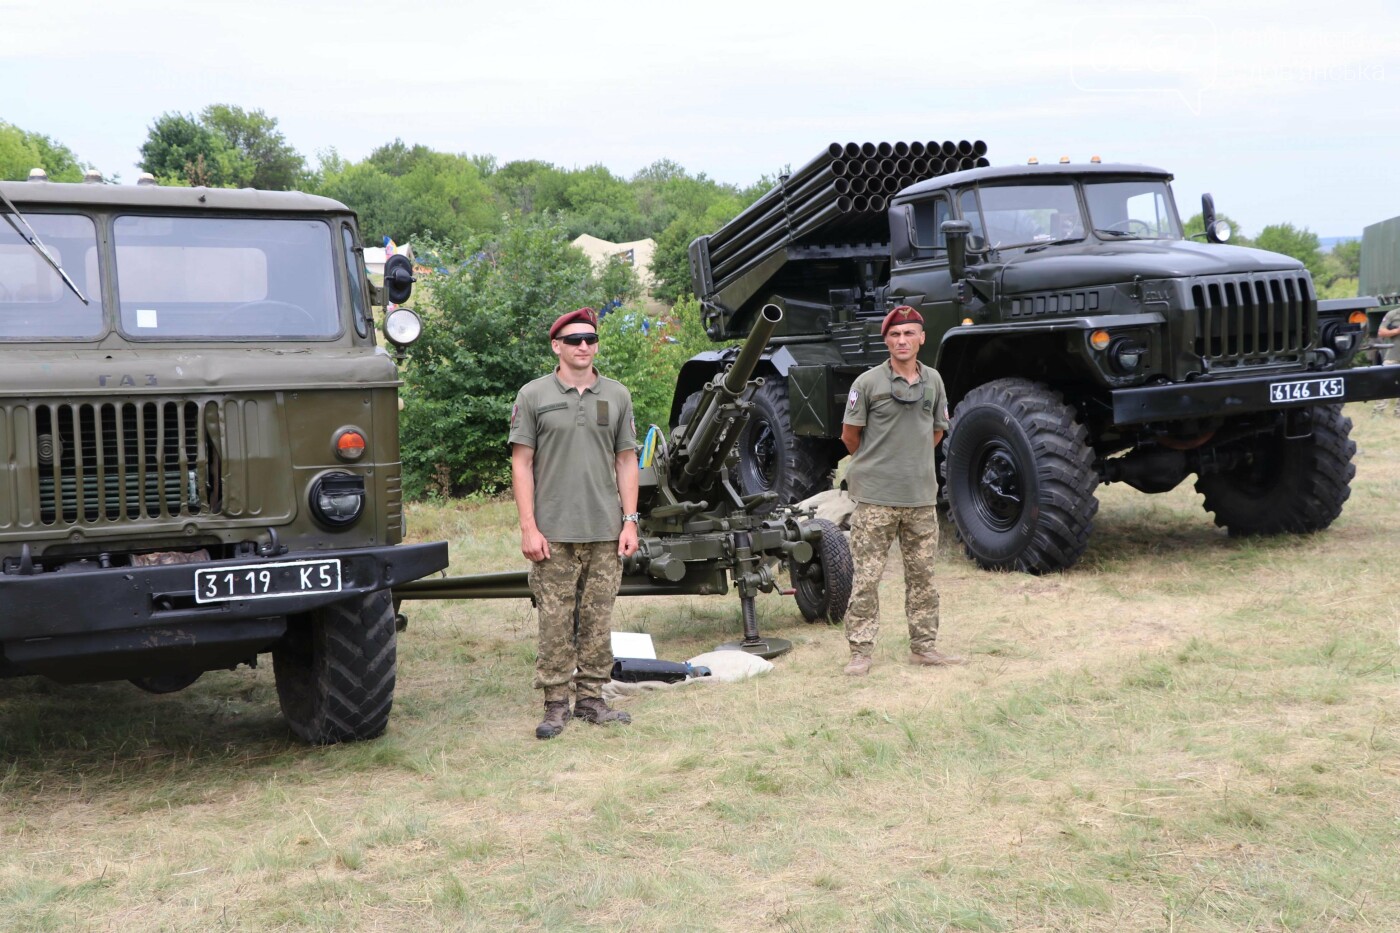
column 574, row 474
column 895, row 416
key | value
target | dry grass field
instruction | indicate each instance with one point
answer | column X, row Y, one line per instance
column 1185, row 732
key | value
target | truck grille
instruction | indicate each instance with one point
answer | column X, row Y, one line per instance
column 132, row 460
column 1250, row 320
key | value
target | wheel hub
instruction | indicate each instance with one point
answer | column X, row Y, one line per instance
column 997, row 494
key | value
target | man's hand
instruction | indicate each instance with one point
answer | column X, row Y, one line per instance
column 535, row 548
column 627, row 541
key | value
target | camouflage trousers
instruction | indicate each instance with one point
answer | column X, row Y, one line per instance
column 873, row 529
column 576, row 581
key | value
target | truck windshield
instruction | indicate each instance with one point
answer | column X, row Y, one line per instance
column 34, row 301
column 1138, row 209
column 1023, row 215
column 226, row 278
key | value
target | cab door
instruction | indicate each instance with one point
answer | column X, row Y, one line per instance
column 919, row 274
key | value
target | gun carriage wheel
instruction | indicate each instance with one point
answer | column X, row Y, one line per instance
column 822, row 586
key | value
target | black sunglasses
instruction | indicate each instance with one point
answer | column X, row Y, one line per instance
column 905, row 392
column 574, row 340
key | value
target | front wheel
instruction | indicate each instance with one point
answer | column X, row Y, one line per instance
column 1286, row 485
column 822, row 586
column 1020, row 478
column 335, row 670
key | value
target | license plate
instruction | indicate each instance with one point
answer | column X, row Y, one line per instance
column 1305, row 390
column 263, row 581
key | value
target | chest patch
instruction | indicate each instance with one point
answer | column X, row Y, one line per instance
column 602, row 412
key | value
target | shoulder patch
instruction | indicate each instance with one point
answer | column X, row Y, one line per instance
column 852, row 399
column 515, row 414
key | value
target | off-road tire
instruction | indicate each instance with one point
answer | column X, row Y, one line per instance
column 825, row 599
column 771, row 457
column 1287, row 485
column 335, row 670
column 774, row 459
column 1020, row 478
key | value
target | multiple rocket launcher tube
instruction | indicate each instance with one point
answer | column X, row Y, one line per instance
column 840, row 193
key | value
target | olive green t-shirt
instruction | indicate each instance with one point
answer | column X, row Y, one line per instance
column 1390, row 322
column 576, row 437
column 894, row 463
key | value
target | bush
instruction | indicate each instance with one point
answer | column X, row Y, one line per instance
column 484, row 338
column 486, row 320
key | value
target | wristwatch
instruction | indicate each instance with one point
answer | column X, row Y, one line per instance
column 632, row 517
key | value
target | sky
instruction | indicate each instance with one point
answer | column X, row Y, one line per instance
column 1286, row 111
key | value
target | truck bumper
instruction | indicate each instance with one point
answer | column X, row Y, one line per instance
column 1253, row 394
column 125, row 621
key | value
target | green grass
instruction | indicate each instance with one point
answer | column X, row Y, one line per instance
column 1184, row 732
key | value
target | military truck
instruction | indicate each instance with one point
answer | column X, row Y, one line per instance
column 1380, row 271
column 1083, row 339
column 199, row 441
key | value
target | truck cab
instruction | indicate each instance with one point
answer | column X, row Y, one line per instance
column 199, row 429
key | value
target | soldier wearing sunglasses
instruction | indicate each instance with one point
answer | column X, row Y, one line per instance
column 896, row 415
column 574, row 475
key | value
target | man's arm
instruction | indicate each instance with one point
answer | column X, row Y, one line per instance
column 627, row 491
column 522, row 482
column 937, row 436
column 850, row 436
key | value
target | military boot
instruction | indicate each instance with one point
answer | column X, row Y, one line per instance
column 556, row 714
column 595, row 710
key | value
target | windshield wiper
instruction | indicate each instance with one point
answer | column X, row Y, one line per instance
column 16, row 219
column 1044, row 243
column 1121, row 234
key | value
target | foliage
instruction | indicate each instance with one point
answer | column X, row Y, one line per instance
column 412, row 193
column 21, row 151
column 670, row 264
column 224, row 147
column 1301, row 244
column 645, row 354
column 260, row 153
column 484, row 339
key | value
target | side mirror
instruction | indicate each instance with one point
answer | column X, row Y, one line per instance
column 398, row 278
column 955, row 234
column 1217, row 231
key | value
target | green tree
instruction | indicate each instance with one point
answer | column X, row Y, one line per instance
column 1347, row 257
column 486, row 337
column 1302, row 244
column 21, row 151
column 180, row 150
column 261, row 156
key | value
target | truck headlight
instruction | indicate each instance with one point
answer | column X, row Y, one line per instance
column 402, row 327
column 337, row 499
column 1125, row 354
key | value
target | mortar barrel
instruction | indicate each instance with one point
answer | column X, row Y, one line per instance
column 738, row 376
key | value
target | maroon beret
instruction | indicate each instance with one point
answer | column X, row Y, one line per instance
column 903, row 314
column 581, row 316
